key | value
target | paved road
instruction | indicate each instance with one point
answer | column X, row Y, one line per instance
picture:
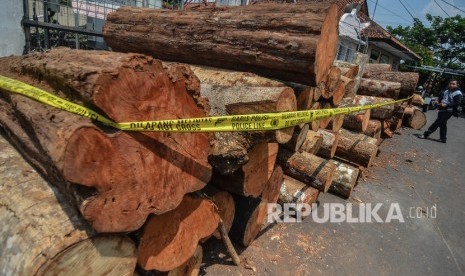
column 413, row 173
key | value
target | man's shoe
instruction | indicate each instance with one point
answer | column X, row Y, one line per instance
column 442, row 140
column 423, row 136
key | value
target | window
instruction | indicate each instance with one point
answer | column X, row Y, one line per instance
column 374, row 55
column 345, row 53
column 384, row 59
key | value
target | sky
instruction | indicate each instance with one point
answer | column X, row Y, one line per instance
column 391, row 12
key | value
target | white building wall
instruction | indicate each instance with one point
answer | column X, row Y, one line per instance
column 12, row 39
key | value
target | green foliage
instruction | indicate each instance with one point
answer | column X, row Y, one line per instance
column 442, row 44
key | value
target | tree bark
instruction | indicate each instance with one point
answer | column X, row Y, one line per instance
column 345, row 178
column 312, row 142
column 294, row 191
column 357, row 121
column 356, row 148
column 170, row 239
column 308, row 168
column 230, row 149
column 329, row 144
column 377, row 88
column 380, row 113
column 191, row 267
column 318, row 91
column 43, row 233
column 375, row 68
column 224, row 77
column 271, row 192
column 408, row 80
column 250, row 216
column 109, row 173
column 250, row 179
column 247, row 38
column 304, row 96
column 414, row 118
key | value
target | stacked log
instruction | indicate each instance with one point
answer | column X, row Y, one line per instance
column 44, row 232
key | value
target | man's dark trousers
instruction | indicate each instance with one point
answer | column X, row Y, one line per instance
column 440, row 122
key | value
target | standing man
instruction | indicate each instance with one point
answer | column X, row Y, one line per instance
column 448, row 104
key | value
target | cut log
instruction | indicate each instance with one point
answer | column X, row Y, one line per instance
column 377, row 88
column 304, row 96
column 345, row 178
column 250, row 179
column 271, row 192
column 374, row 130
column 380, row 113
column 324, row 122
column 331, row 82
column 225, row 205
column 295, row 191
column 329, row 144
column 42, row 232
column 191, row 267
column 102, row 163
column 414, row 118
column 361, row 60
column 312, row 142
column 387, row 132
column 357, row 121
column 336, row 122
column 318, row 91
column 308, row 168
column 297, row 139
column 348, row 69
column 230, row 149
column 223, row 77
column 170, row 239
column 417, row 100
column 356, row 148
column 250, row 216
column 344, row 85
column 408, row 80
column 247, row 38
column 374, row 68
column 315, row 125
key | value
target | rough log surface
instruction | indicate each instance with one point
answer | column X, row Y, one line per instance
column 380, row 113
column 329, row 145
column 246, row 38
column 249, row 219
column 295, row 191
column 109, row 161
column 377, row 88
column 230, row 149
column 414, row 118
column 356, row 148
column 43, row 233
column 271, row 192
column 408, row 80
column 345, row 178
column 308, row 168
column 312, row 142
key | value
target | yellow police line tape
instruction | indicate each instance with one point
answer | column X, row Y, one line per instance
column 247, row 122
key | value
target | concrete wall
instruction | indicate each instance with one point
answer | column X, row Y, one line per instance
column 11, row 33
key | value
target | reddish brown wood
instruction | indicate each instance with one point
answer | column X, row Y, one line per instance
column 312, row 142
column 170, row 239
column 250, row 217
column 247, row 38
column 250, row 179
column 414, row 118
column 356, row 148
column 112, row 172
column 329, row 143
column 271, row 192
column 374, row 68
column 332, row 81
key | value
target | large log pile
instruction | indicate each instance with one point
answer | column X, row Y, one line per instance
column 173, row 191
